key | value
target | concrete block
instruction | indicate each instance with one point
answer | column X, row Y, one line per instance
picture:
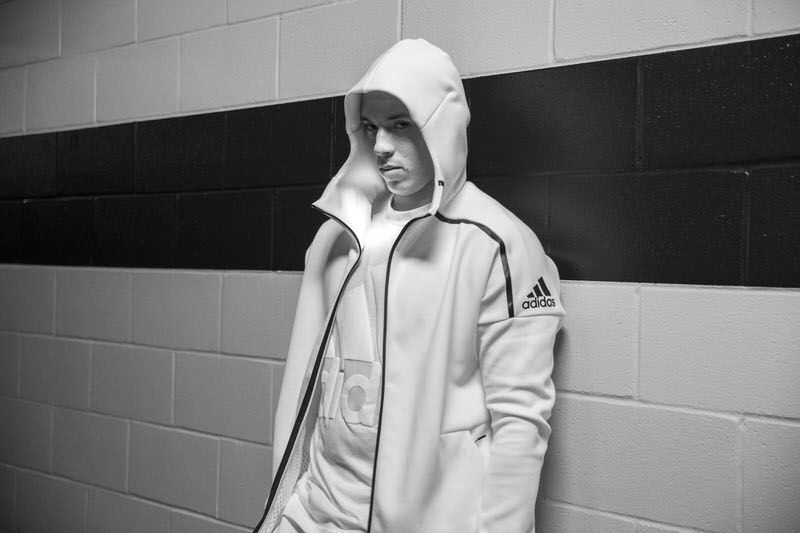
column 258, row 313
column 621, row 457
column 771, row 478
column 176, row 309
column 327, row 50
column 651, row 527
column 26, row 431
column 277, row 381
column 27, row 294
column 586, row 29
column 49, row 505
column 132, row 382
column 223, row 395
column 122, row 514
column 7, row 490
column 30, row 31
column 186, row 523
column 771, row 16
column 138, row 80
column 90, row 448
column 158, row 18
column 9, row 364
column 721, row 349
column 12, row 105
column 244, row 481
column 483, row 36
column 596, row 350
column 60, row 93
column 55, row 371
column 88, row 25
column 229, row 66
column 239, row 10
column 93, row 303
column 174, row 467
column 553, row 517
column 290, row 291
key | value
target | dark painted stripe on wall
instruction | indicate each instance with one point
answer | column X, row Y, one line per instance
column 572, row 118
column 737, row 103
column 679, row 167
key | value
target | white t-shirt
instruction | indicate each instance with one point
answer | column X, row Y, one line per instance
column 333, row 495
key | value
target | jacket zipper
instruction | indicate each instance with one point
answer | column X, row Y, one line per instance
column 312, row 379
column 383, row 366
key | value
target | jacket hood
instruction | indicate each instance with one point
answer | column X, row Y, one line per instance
column 425, row 79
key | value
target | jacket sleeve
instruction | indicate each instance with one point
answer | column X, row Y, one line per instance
column 516, row 333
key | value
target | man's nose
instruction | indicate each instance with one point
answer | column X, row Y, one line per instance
column 383, row 142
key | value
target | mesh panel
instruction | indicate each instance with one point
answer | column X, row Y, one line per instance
column 298, row 462
column 306, row 457
column 295, row 467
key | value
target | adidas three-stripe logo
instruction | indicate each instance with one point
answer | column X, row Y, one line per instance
column 537, row 292
column 540, row 297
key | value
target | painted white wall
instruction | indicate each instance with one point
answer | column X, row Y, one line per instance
column 150, row 393
column 142, row 395
column 75, row 63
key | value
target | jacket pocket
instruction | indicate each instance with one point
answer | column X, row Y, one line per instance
column 472, row 444
column 454, row 505
column 459, row 448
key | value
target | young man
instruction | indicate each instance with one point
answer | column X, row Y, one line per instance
column 417, row 386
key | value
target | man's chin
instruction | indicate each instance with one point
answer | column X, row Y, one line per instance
column 394, row 186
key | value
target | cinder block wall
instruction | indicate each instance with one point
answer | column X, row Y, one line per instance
column 136, row 399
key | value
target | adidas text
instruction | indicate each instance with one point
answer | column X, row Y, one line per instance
column 350, row 388
column 539, row 302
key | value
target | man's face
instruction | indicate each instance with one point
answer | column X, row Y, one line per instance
column 401, row 154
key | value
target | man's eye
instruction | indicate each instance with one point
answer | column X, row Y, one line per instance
column 368, row 126
column 401, row 125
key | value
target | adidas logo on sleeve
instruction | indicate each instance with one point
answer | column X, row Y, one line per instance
column 539, row 297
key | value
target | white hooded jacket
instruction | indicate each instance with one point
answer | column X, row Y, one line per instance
column 471, row 314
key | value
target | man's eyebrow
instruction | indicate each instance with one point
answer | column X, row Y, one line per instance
column 390, row 117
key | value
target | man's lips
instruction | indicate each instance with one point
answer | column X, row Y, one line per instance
column 387, row 167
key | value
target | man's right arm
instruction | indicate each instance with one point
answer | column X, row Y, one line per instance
column 516, row 361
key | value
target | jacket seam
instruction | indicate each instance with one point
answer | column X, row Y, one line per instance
column 438, row 107
column 503, row 256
